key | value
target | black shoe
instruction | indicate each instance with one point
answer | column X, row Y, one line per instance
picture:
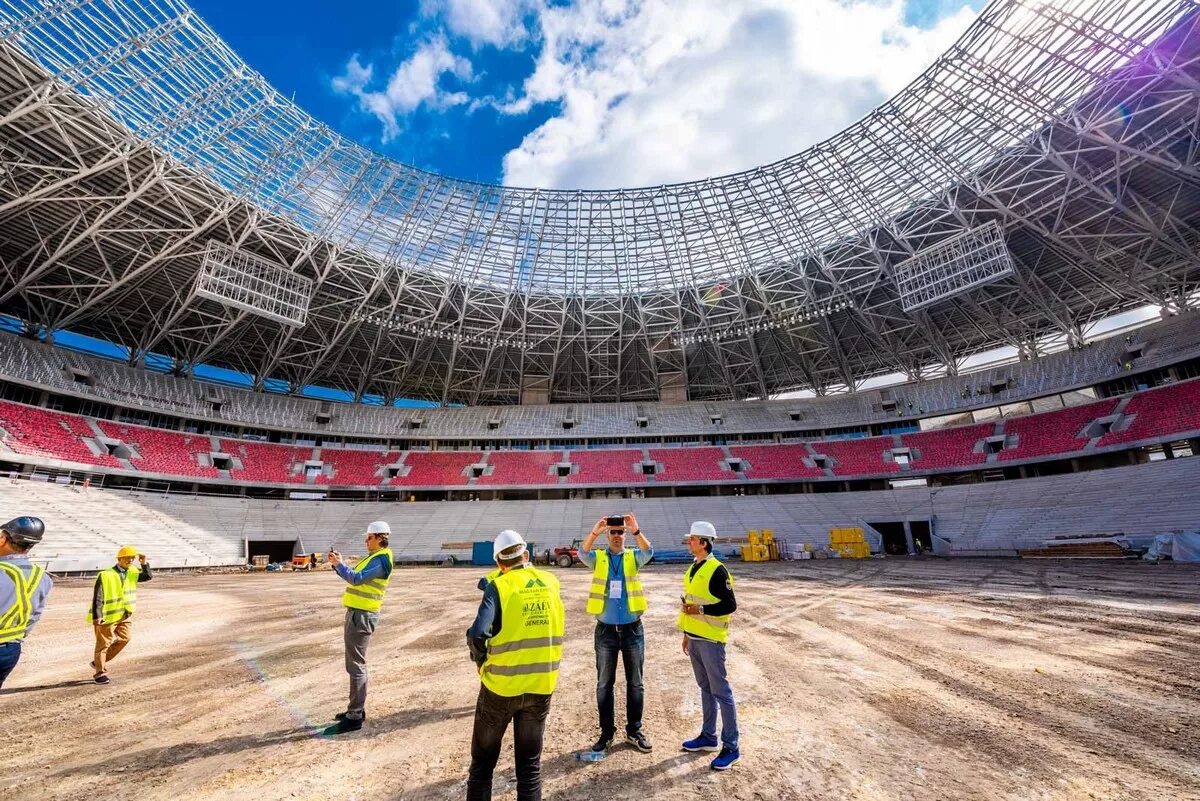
column 603, row 744
column 346, row 716
column 639, row 741
column 343, row 726
column 100, row 679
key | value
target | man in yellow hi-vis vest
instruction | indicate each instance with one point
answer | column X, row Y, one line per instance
column 363, row 598
column 617, row 600
column 706, row 606
column 23, row 588
column 516, row 644
column 114, row 599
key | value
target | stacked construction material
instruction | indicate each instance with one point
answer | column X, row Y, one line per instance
column 762, row 546
column 849, row 543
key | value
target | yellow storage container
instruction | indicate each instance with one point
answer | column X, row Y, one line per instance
column 752, row 535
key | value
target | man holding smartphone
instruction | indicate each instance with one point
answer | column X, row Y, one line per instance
column 617, row 600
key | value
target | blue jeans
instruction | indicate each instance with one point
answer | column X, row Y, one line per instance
column 10, row 654
column 708, row 665
column 629, row 641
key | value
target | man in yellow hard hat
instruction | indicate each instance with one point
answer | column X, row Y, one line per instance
column 113, row 601
column 516, row 644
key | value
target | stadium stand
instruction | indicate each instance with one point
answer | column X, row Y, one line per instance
column 41, row 365
column 162, row 451
column 354, row 467
column 1050, row 433
column 1173, row 409
column 54, row 435
column 691, row 464
column 989, row 518
column 951, row 447
column 853, row 457
column 532, row 468
column 606, row 467
column 264, row 461
column 775, row 461
column 437, row 468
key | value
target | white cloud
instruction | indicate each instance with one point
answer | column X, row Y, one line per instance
column 416, row 82
column 494, row 22
column 655, row 92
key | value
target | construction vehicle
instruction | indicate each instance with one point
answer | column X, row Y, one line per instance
column 566, row 556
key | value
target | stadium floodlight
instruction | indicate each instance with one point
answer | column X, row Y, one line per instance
column 245, row 281
column 975, row 257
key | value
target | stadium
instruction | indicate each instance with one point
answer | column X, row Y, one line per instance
column 963, row 330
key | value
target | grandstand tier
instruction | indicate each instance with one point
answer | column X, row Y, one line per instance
column 31, row 435
column 84, row 527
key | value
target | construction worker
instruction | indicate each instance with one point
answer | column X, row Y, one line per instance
column 114, row 599
column 705, row 608
column 363, row 598
column 617, row 601
column 23, row 588
column 516, row 644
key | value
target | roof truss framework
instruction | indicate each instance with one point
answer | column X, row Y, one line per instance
column 129, row 142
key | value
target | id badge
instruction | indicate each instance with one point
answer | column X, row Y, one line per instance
column 614, row 589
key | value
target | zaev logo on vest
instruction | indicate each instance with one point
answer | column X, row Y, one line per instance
column 535, row 603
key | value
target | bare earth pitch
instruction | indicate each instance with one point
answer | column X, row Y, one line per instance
column 865, row 680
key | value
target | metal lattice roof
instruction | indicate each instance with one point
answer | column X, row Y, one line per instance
column 131, row 136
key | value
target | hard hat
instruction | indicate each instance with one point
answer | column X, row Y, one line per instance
column 24, row 530
column 507, row 539
column 128, row 550
column 379, row 527
column 704, row 530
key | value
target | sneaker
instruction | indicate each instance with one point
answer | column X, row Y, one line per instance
column 701, row 743
column 346, row 716
column 726, row 759
column 603, row 744
column 343, row 726
column 639, row 741
column 100, row 679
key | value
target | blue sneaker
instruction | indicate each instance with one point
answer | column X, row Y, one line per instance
column 701, row 743
column 726, row 759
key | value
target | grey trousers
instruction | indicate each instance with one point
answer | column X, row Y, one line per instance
column 359, row 627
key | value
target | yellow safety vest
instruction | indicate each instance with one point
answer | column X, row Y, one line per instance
column 15, row 619
column 633, row 585
column 368, row 596
column 117, row 598
column 695, row 591
column 523, row 656
column 492, row 576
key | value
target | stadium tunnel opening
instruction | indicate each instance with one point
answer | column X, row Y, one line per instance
column 274, row 550
column 894, row 541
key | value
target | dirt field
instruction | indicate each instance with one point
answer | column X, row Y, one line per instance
column 854, row 680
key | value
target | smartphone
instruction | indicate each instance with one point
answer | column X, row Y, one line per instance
column 615, row 521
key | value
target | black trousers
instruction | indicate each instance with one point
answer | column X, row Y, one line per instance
column 493, row 712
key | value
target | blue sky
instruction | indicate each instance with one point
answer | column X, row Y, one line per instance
column 589, row 93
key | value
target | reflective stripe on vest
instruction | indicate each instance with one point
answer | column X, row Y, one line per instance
column 113, row 604
column 15, row 620
column 523, row 657
column 635, row 596
column 695, row 591
column 368, row 596
column 129, row 591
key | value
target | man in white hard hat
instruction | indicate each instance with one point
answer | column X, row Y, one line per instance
column 363, row 598
column 516, row 645
column 705, row 608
